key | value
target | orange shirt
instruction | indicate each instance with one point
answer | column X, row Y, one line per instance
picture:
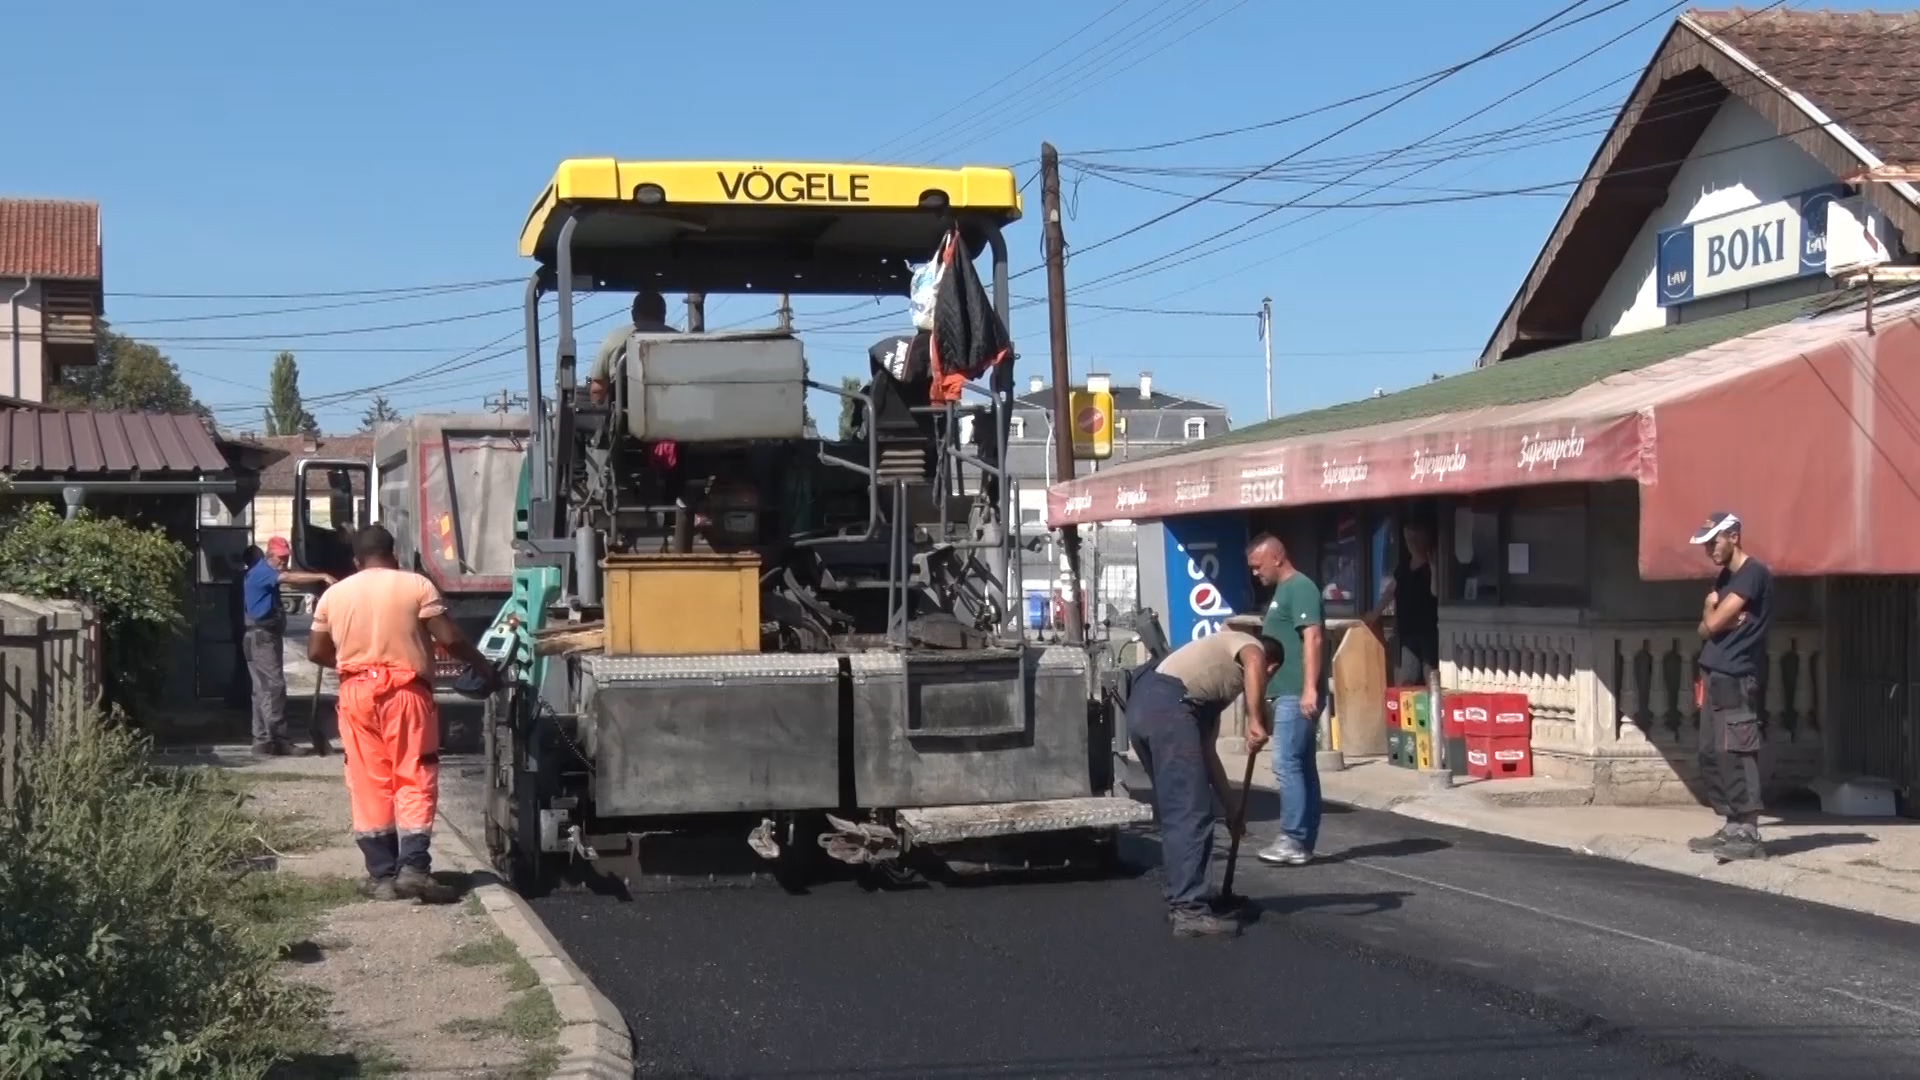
column 375, row 619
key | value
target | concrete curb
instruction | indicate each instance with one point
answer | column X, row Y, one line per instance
column 595, row 1042
column 1772, row 876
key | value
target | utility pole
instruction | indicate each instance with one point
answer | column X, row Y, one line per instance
column 505, row 401
column 1056, row 241
column 1266, row 342
column 696, row 313
column 786, row 314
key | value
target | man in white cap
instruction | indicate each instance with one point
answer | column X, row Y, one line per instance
column 1733, row 627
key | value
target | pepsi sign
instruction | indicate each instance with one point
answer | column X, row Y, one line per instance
column 1207, row 578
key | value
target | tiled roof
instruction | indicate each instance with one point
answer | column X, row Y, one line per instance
column 1540, row 377
column 1859, row 67
column 50, row 238
column 1128, row 399
column 78, row 444
column 277, row 478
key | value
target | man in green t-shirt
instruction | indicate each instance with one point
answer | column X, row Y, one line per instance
column 1296, row 693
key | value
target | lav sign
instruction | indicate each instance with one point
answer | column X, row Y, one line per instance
column 1207, row 579
column 1775, row 241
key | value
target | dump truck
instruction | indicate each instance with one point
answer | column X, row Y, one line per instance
column 443, row 484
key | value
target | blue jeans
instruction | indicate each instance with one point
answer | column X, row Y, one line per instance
column 1174, row 740
column 1295, row 742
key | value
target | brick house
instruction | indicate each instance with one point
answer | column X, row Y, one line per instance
column 50, row 280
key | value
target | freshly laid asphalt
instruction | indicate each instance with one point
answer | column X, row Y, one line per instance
column 1408, row 951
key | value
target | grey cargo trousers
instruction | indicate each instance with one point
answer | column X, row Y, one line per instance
column 264, row 645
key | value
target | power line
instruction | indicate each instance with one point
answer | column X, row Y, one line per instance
column 1276, row 209
column 1084, row 80
column 364, row 302
column 319, row 295
column 1000, row 82
column 340, row 332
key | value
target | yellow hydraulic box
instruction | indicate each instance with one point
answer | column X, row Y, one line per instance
column 682, row 605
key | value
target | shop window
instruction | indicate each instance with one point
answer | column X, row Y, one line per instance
column 1340, row 565
column 1546, row 553
column 1529, row 549
column 1474, row 562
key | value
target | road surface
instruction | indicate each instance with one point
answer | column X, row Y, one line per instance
column 1412, row 950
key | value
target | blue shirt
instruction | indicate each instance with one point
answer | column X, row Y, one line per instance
column 261, row 591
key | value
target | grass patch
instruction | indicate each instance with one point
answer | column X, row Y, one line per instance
column 496, row 949
column 472, row 905
column 530, row 1017
column 281, row 909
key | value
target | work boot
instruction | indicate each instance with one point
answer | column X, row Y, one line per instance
column 1200, row 922
column 1711, row 845
column 379, row 889
column 1742, row 843
column 414, row 883
column 1286, row 851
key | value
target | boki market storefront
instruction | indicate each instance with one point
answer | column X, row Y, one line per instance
column 1563, row 490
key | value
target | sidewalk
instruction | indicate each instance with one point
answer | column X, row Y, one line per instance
column 474, row 988
column 1870, row 865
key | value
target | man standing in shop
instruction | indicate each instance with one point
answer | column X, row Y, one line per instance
column 1416, row 609
column 1296, row 693
column 1733, row 626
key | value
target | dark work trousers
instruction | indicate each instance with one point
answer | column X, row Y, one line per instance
column 1174, row 738
column 265, row 647
column 1730, row 743
column 1416, row 657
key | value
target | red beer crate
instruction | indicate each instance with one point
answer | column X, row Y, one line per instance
column 1467, row 715
column 1509, row 717
column 1491, row 757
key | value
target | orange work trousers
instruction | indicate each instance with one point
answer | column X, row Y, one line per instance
column 390, row 732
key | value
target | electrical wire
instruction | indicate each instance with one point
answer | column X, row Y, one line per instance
column 222, row 316
column 328, row 295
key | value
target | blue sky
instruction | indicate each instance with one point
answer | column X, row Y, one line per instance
column 296, row 149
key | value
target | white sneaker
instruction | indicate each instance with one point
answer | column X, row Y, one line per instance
column 1285, row 852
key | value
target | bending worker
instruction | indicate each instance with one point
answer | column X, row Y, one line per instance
column 1173, row 721
column 376, row 629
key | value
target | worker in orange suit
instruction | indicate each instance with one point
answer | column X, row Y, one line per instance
column 376, row 629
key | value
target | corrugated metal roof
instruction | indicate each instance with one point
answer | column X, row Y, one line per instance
column 81, row 443
column 49, row 238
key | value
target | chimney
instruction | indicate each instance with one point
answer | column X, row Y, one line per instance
column 1098, row 384
column 1036, row 384
column 1146, row 386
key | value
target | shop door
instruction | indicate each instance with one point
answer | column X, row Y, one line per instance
column 218, row 674
column 1875, row 699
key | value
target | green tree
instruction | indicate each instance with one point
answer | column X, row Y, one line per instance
column 380, row 412
column 286, row 413
column 127, row 376
column 849, row 408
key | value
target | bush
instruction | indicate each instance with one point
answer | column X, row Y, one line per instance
column 125, row 950
column 135, row 578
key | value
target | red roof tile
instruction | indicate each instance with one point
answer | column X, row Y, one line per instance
column 1858, row 67
column 80, row 443
column 50, row 238
column 277, row 478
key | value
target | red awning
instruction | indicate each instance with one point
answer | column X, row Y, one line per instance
column 1810, row 431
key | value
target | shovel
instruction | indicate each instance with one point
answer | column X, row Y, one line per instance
column 1228, row 901
column 321, row 746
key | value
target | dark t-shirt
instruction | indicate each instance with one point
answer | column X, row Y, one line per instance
column 1742, row 648
column 1416, row 613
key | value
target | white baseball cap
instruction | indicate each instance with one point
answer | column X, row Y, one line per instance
column 1720, row 521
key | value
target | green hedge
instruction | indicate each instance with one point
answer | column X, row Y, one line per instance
column 125, row 947
column 136, row 578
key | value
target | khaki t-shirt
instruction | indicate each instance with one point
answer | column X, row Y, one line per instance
column 1210, row 667
column 374, row 618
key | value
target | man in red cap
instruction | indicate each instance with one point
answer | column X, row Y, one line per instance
column 264, row 643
